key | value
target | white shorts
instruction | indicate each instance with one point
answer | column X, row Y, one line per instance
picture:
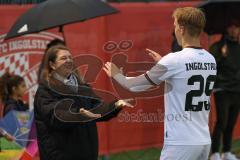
column 185, row 152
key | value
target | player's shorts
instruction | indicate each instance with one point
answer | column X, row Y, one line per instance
column 185, row 152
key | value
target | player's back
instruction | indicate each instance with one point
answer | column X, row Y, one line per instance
column 191, row 78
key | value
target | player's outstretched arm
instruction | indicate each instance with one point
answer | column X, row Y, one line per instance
column 134, row 84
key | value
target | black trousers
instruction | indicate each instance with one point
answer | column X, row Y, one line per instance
column 227, row 109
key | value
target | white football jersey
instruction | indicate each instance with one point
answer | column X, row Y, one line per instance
column 189, row 75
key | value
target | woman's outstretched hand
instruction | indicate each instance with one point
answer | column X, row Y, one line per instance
column 89, row 114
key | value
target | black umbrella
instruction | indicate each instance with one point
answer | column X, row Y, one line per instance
column 57, row 13
column 220, row 13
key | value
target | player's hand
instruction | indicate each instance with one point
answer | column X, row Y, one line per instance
column 89, row 114
column 111, row 69
column 124, row 103
column 9, row 137
column 154, row 55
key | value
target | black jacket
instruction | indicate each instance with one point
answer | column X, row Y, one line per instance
column 61, row 140
column 228, row 68
column 12, row 104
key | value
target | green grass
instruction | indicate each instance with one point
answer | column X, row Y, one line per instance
column 146, row 154
column 154, row 153
column 11, row 150
column 236, row 147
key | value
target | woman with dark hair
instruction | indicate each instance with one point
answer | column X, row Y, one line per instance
column 12, row 89
column 66, row 110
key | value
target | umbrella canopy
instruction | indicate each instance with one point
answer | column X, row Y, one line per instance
column 220, row 13
column 57, row 13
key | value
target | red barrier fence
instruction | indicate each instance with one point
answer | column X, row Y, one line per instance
column 142, row 25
